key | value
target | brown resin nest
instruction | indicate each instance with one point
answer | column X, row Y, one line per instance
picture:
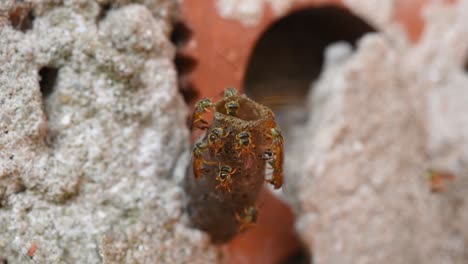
column 211, row 207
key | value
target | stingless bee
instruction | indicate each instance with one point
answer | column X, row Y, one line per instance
column 438, row 180
column 215, row 139
column 276, row 135
column 198, row 161
column 277, row 177
column 201, row 107
column 232, row 107
column 249, row 219
column 244, row 143
column 224, row 176
column 277, row 162
column 230, row 92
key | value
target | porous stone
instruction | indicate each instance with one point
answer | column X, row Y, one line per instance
column 91, row 128
column 378, row 120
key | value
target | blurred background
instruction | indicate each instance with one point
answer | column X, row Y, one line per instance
column 371, row 97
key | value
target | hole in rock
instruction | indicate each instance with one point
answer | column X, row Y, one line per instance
column 184, row 64
column 22, row 17
column 180, row 34
column 289, row 55
column 103, row 12
column 48, row 77
column 287, row 58
column 299, row 257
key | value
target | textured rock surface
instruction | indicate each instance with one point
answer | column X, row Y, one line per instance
column 379, row 119
column 87, row 160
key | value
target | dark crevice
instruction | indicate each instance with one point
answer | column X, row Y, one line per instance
column 287, row 59
column 301, row 256
column 21, row 18
column 188, row 91
column 289, row 55
column 103, row 12
column 184, row 64
column 180, row 34
column 48, row 78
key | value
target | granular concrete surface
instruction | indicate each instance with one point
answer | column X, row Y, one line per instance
column 91, row 129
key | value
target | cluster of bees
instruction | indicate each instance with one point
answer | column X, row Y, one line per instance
column 243, row 147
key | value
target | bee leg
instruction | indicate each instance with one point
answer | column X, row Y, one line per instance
column 251, row 151
column 200, row 123
column 277, row 180
column 209, row 162
column 219, row 148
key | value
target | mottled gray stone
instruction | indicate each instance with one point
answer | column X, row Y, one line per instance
column 378, row 121
column 86, row 171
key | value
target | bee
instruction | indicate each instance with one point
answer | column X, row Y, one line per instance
column 277, row 177
column 32, row 250
column 277, row 162
column 276, row 135
column 201, row 107
column 215, row 138
column 198, row 161
column 230, row 92
column 232, row 107
column 249, row 219
column 244, row 143
column 438, row 180
column 224, row 176
column 266, row 155
column 269, row 124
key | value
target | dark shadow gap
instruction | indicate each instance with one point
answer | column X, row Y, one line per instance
column 180, row 34
column 105, row 8
column 466, row 66
column 48, row 78
column 299, row 257
column 188, row 91
column 289, row 55
column 21, row 18
column 184, row 64
column 286, row 60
